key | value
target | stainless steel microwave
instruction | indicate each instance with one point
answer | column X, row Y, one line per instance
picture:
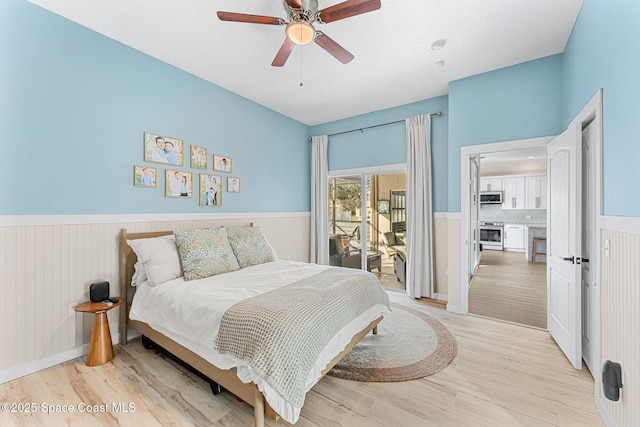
column 491, row 197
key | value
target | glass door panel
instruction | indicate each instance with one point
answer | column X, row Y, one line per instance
column 370, row 209
column 345, row 221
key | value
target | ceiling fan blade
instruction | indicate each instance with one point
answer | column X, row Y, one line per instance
column 283, row 53
column 294, row 3
column 348, row 9
column 252, row 19
column 337, row 51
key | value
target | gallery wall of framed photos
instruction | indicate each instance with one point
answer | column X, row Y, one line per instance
column 177, row 181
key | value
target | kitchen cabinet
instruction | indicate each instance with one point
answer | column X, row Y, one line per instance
column 536, row 192
column 519, row 191
column 514, row 237
column 490, row 184
column 514, row 192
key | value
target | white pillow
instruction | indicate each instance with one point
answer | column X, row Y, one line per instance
column 160, row 258
column 139, row 274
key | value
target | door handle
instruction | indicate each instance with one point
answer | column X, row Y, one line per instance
column 537, row 202
column 513, row 202
column 585, row 260
column 572, row 259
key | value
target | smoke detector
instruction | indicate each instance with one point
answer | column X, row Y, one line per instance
column 438, row 45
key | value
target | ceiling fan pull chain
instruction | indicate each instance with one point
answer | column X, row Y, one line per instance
column 301, row 84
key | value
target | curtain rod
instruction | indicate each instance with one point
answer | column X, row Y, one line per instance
column 437, row 113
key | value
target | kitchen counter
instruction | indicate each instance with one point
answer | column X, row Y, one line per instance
column 527, row 224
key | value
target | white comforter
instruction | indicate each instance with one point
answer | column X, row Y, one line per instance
column 190, row 314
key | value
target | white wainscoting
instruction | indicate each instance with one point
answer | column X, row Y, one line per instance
column 48, row 263
column 440, row 256
column 454, row 303
column 620, row 320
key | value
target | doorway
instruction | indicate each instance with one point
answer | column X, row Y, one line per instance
column 367, row 222
column 590, row 114
column 509, row 282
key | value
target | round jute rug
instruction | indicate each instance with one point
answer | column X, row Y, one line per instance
column 409, row 345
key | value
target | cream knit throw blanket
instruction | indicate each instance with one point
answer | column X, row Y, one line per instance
column 282, row 333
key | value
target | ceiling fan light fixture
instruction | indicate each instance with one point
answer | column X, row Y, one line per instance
column 300, row 32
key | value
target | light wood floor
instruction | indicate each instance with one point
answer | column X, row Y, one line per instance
column 508, row 287
column 503, row 375
column 387, row 276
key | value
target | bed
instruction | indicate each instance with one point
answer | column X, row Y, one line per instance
column 194, row 318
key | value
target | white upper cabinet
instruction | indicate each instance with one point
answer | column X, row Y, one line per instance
column 514, row 192
column 536, row 189
column 518, row 191
column 490, row 184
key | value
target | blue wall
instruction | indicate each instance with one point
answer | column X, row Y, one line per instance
column 73, row 108
column 74, row 105
column 518, row 102
column 386, row 145
column 603, row 52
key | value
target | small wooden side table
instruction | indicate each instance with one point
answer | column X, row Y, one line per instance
column 100, row 346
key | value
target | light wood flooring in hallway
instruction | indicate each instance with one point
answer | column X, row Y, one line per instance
column 503, row 375
column 387, row 276
column 508, row 287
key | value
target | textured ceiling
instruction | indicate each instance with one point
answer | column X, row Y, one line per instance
column 393, row 63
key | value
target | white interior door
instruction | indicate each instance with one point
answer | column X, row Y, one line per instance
column 564, row 311
column 588, row 244
column 474, row 231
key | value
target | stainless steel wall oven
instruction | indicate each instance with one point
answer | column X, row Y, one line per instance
column 492, row 235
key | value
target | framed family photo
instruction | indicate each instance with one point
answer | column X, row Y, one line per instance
column 221, row 163
column 178, row 183
column 145, row 176
column 199, row 157
column 210, row 190
column 163, row 149
column 233, row 184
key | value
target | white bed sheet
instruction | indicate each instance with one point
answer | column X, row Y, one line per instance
column 190, row 314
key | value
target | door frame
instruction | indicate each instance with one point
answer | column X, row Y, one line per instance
column 474, row 250
column 591, row 112
column 465, row 208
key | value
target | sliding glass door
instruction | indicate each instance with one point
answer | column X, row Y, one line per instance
column 367, row 224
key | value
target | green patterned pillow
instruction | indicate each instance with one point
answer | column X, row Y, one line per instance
column 205, row 253
column 250, row 246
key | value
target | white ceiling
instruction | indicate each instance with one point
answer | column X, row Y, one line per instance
column 393, row 63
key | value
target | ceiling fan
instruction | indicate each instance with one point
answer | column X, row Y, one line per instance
column 301, row 14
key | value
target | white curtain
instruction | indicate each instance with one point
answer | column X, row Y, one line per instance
column 419, row 240
column 319, row 200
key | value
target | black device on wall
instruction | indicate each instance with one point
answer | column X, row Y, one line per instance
column 611, row 380
column 99, row 291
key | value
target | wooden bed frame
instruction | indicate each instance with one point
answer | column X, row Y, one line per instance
column 225, row 378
